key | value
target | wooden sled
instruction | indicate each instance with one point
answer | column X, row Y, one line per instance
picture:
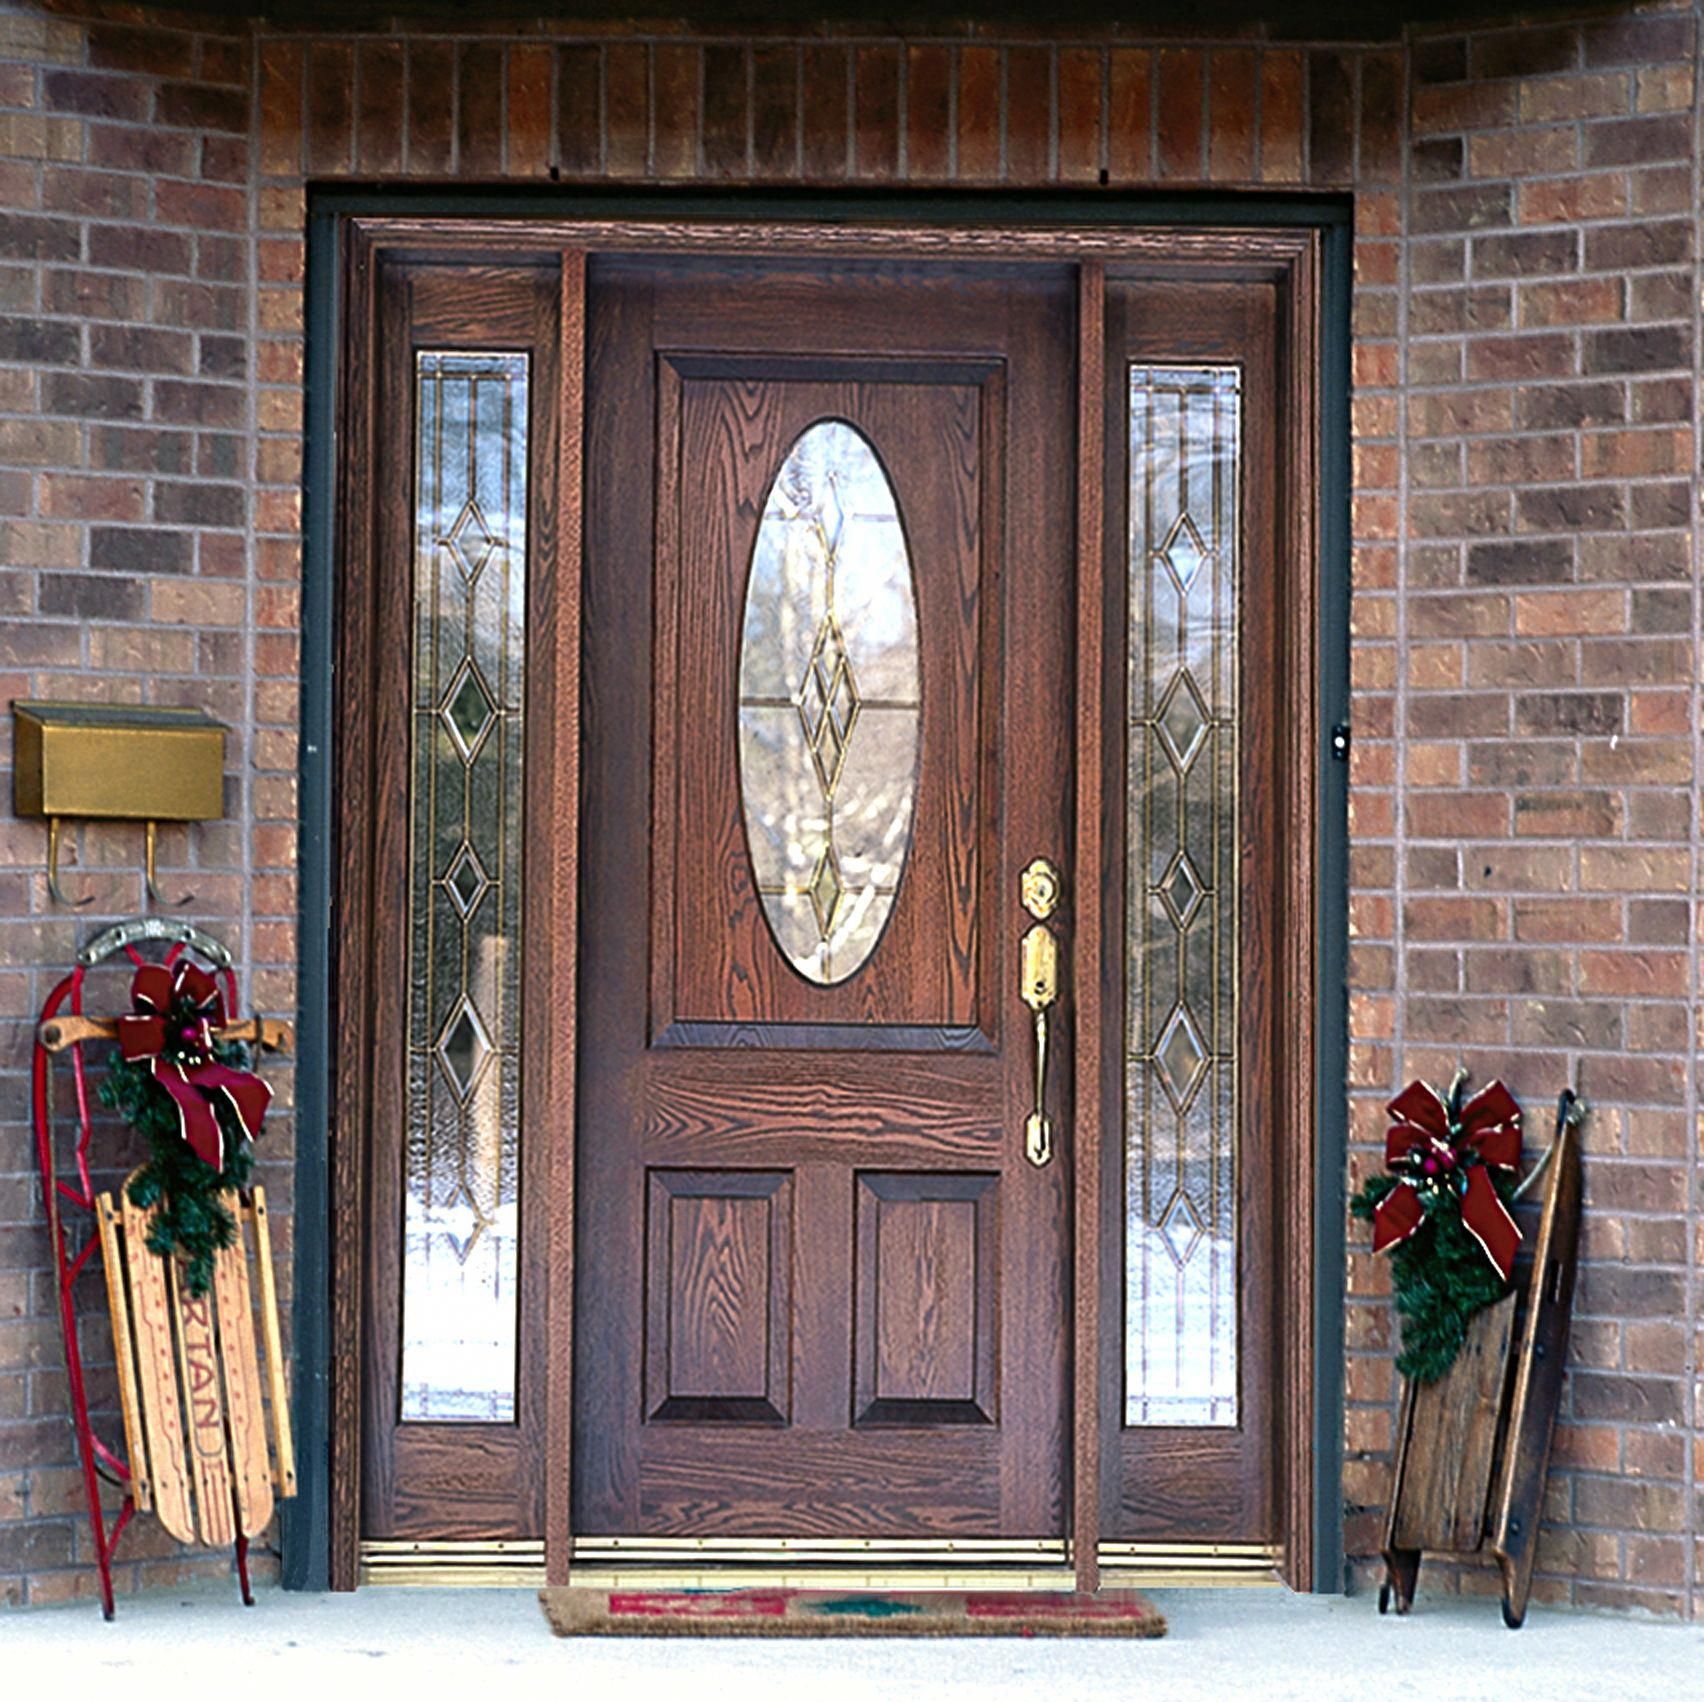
column 190, row 1377
column 207, row 1443
column 1473, row 1448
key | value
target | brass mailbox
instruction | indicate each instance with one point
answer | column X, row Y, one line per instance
column 115, row 761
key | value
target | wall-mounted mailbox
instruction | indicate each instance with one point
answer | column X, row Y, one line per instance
column 115, row 761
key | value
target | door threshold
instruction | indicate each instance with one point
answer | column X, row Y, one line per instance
column 804, row 1563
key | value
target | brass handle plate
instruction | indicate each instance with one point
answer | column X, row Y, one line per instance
column 1039, row 957
column 1038, row 888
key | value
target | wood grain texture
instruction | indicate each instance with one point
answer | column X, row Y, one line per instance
column 277, row 1377
column 245, row 1413
column 204, row 1412
column 927, row 1108
column 705, row 370
column 1444, row 1484
column 349, row 1014
column 443, row 1479
column 110, row 1228
column 553, row 1044
column 1159, row 251
column 1517, row 1502
column 156, row 1365
column 1188, row 1483
column 925, row 1336
column 1295, row 1051
column 1089, row 968
column 718, row 1295
column 732, row 435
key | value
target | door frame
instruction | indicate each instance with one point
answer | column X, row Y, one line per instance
column 1303, row 246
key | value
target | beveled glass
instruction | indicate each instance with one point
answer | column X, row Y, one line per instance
column 829, row 702
column 1181, row 898
column 461, row 1165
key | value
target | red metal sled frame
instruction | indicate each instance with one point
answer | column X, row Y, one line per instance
column 99, row 1461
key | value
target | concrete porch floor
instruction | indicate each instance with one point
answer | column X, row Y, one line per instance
column 476, row 1644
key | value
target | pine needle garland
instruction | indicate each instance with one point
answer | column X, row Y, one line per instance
column 1439, row 1279
column 192, row 1222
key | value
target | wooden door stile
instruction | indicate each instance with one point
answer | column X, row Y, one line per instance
column 1087, row 933
column 553, row 897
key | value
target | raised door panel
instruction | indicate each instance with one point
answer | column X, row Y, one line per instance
column 926, row 1348
column 717, row 1295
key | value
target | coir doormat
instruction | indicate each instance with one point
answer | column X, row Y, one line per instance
column 575, row 1612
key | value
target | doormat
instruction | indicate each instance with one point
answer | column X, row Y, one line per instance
column 575, row 1612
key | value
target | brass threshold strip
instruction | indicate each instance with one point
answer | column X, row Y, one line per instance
column 662, row 1563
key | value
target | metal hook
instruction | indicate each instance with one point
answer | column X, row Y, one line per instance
column 148, row 869
column 54, row 890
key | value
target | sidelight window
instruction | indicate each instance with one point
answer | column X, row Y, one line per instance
column 462, row 1157
column 1181, row 1350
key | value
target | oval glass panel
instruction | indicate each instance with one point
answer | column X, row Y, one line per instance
column 830, row 694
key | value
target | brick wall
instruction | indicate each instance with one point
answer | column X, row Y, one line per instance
column 1525, row 777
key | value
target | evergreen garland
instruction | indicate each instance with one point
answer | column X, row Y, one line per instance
column 1439, row 1278
column 193, row 1223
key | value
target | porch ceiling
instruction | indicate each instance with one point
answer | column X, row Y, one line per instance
column 1334, row 20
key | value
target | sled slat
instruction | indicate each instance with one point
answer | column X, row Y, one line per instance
column 157, row 1371
column 198, row 1356
column 1447, row 1481
column 124, row 1351
column 242, row 1381
column 283, row 1441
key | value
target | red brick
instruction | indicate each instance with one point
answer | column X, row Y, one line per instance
column 724, row 124
column 1182, row 141
column 825, row 73
column 331, row 78
column 431, row 109
column 530, row 120
column 1029, row 114
column 1129, row 114
column 1081, row 131
column 579, row 146
column 875, row 141
column 775, row 113
column 979, row 112
column 280, row 108
column 627, row 112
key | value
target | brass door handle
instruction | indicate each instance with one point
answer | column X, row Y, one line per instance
column 1039, row 968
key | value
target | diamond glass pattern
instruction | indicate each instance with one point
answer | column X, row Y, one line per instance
column 471, row 541
column 468, row 710
column 1184, row 551
column 1181, row 898
column 466, row 880
column 1184, row 721
column 1181, row 1226
column 829, row 702
column 463, row 1048
column 1180, row 1057
column 1182, row 890
column 461, row 1157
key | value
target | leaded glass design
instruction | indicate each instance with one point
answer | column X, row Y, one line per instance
column 1181, row 897
column 829, row 702
column 462, row 1158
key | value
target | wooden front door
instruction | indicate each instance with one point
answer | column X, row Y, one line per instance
column 821, row 1291
column 738, row 1141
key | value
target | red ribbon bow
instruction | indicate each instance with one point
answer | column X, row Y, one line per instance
column 1430, row 1151
column 177, row 1012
